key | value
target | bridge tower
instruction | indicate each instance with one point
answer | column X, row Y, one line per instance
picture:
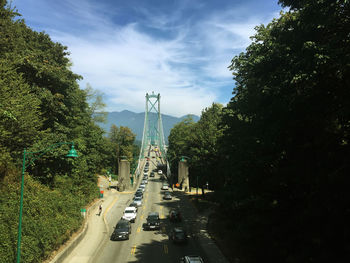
column 153, row 133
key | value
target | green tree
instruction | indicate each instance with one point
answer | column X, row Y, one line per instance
column 122, row 140
column 41, row 104
column 287, row 137
column 204, row 151
column 180, row 138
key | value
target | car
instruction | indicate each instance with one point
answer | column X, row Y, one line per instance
column 139, row 194
column 130, row 214
column 160, row 172
column 167, row 196
column 191, row 259
column 144, row 181
column 143, row 186
column 165, row 187
column 152, row 221
column 152, row 174
column 145, row 174
column 138, row 201
column 178, row 235
column 133, row 204
column 175, row 216
column 145, row 170
column 122, row 230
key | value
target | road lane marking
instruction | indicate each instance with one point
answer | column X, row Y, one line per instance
column 133, row 249
column 110, row 206
column 139, row 229
column 142, row 216
column 165, row 249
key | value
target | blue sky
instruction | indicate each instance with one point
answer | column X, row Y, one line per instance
column 180, row 49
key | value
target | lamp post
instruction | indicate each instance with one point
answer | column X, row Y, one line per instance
column 72, row 153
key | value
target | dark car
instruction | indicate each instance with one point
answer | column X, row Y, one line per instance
column 152, row 221
column 178, row 235
column 152, row 174
column 122, row 230
column 139, row 193
column 133, row 204
column 167, row 196
column 175, row 216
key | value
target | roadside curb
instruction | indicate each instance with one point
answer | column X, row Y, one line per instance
column 71, row 244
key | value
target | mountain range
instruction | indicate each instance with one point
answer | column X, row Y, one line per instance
column 135, row 121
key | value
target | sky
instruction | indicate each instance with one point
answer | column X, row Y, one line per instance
column 125, row 49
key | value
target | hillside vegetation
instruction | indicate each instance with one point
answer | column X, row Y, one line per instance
column 277, row 155
column 41, row 104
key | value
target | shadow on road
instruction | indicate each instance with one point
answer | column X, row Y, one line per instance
column 166, row 250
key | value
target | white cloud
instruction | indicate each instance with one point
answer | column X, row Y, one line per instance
column 188, row 67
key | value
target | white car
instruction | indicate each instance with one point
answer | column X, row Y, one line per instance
column 190, row 259
column 145, row 174
column 143, row 186
column 165, row 187
column 138, row 201
column 160, row 172
column 130, row 213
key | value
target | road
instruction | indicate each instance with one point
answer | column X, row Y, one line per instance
column 149, row 246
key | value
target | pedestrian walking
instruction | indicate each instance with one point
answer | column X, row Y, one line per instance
column 100, row 210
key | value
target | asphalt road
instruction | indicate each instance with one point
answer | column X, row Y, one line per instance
column 149, row 246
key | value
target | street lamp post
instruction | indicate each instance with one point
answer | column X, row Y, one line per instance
column 72, row 153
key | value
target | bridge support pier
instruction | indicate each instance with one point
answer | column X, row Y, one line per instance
column 183, row 179
column 124, row 175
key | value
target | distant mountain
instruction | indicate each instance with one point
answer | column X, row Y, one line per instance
column 135, row 122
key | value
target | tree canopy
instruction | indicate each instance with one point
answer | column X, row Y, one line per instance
column 41, row 104
column 281, row 145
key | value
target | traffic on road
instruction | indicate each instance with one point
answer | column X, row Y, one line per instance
column 152, row 224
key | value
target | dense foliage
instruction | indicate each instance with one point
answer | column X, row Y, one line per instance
column 283, row 155
column 41, row 104
column 122, row 143
column 198, row 143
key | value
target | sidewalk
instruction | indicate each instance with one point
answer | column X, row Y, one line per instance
column 81, row 248
column 212, row 251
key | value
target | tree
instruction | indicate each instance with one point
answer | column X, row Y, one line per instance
column 204, row 151
column 97, row 105
column 179, row 142
column 287, row 136
column 122, row 140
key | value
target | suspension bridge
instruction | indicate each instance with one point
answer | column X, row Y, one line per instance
column 153, row 134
